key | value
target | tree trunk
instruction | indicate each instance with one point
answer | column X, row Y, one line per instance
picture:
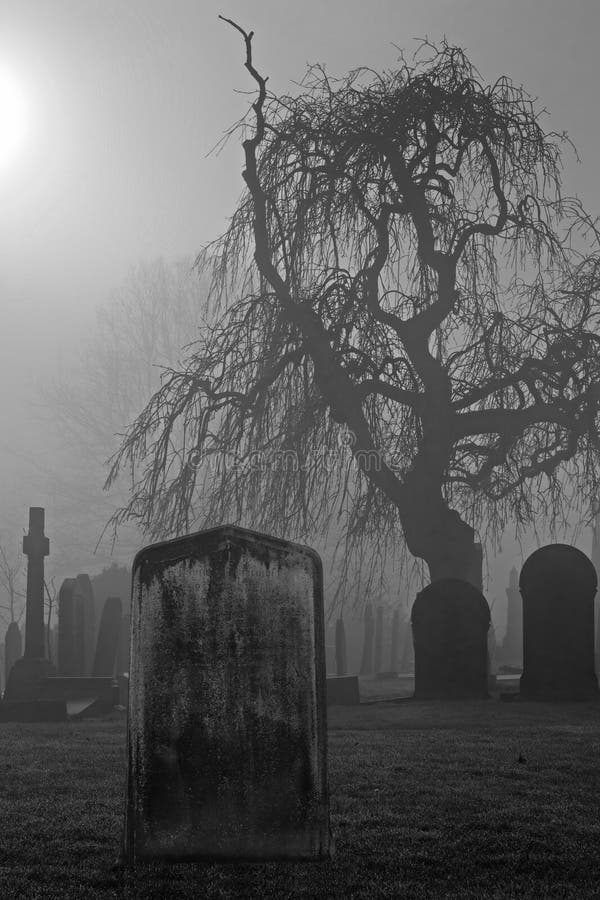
column 438, row 535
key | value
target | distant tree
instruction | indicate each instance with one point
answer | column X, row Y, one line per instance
column 107, row 377
column 12, row 570
column 403, row 285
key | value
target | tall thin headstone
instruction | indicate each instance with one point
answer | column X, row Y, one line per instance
column 124, row 641
column 227, row 707
column 512, row 645
column 341, row 665
column 378, row 648
column 395, row 641
column 85, row 624
column 105, row 659
column 67, row 639
column 366, row 663
column 28, row 672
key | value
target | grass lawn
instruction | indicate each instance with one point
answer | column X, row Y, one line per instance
column 427, row 800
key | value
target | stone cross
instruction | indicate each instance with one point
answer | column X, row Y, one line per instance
column 35, row 546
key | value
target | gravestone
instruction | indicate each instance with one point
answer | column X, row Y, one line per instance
column 28, row 672
column 341, row 665
column 123, row 650
column 395, row 641
column 69, row 652
column 76, row 627
column 366, row 663
column 343, row 690
column 450, row 622
column 105, row 660
column 12, row 648
column 85, row 626
column 227, row 707
column 512, row 645
column 378, row 643
column 558, row 584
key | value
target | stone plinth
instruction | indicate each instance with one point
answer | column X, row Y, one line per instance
column 26, row 679
column 450, row 622
column 558, row 584
column 343, row 690
column 226, row 725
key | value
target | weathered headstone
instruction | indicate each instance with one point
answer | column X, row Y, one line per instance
column 343, row 690
column 29, row 672
column 395, row 642
column 512, row 645
column 69, row 650
column 105, row 660
column 226, row 725
column 341, row 665
column 366, row 663
column 378, row 643
column 12, row 648
column 558, row 584
column 450, row 622
column 85, row 629
column 124, row 641
column 407, row 653
column 76, row 627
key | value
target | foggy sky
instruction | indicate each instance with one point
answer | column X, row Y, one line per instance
column 127, row 98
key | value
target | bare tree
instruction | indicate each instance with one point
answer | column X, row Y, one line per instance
column 11, row 580
column 403, row 288
column 104, row 381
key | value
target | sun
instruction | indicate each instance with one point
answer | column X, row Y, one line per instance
column 13, row 117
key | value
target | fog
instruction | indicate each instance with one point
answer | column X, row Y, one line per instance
column 125, row 101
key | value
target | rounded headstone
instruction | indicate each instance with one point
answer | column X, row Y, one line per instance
column 450, row 623
column 558, row 584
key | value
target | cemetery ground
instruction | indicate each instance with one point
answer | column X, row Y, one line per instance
column 478, row 799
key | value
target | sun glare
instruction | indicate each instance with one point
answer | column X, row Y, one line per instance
column 13, row 117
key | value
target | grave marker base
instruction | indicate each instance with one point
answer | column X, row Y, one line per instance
column 26, row 679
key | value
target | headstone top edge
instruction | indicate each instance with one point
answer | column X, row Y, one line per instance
column 456, row 586
column 537, row 559
column 212, row 536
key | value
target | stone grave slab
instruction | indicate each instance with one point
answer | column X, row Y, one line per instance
column 227, row 711
column 343, row 690
column 558, row 584
column 450, row 622
column 85, row 630
column 105, row 659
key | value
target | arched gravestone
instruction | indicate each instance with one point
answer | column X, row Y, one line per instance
column 227, row 707
column 13, row 648
column 84, row 624
column 67, row 654
column 558, row 584
column 450, row 622
column 108, row 638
